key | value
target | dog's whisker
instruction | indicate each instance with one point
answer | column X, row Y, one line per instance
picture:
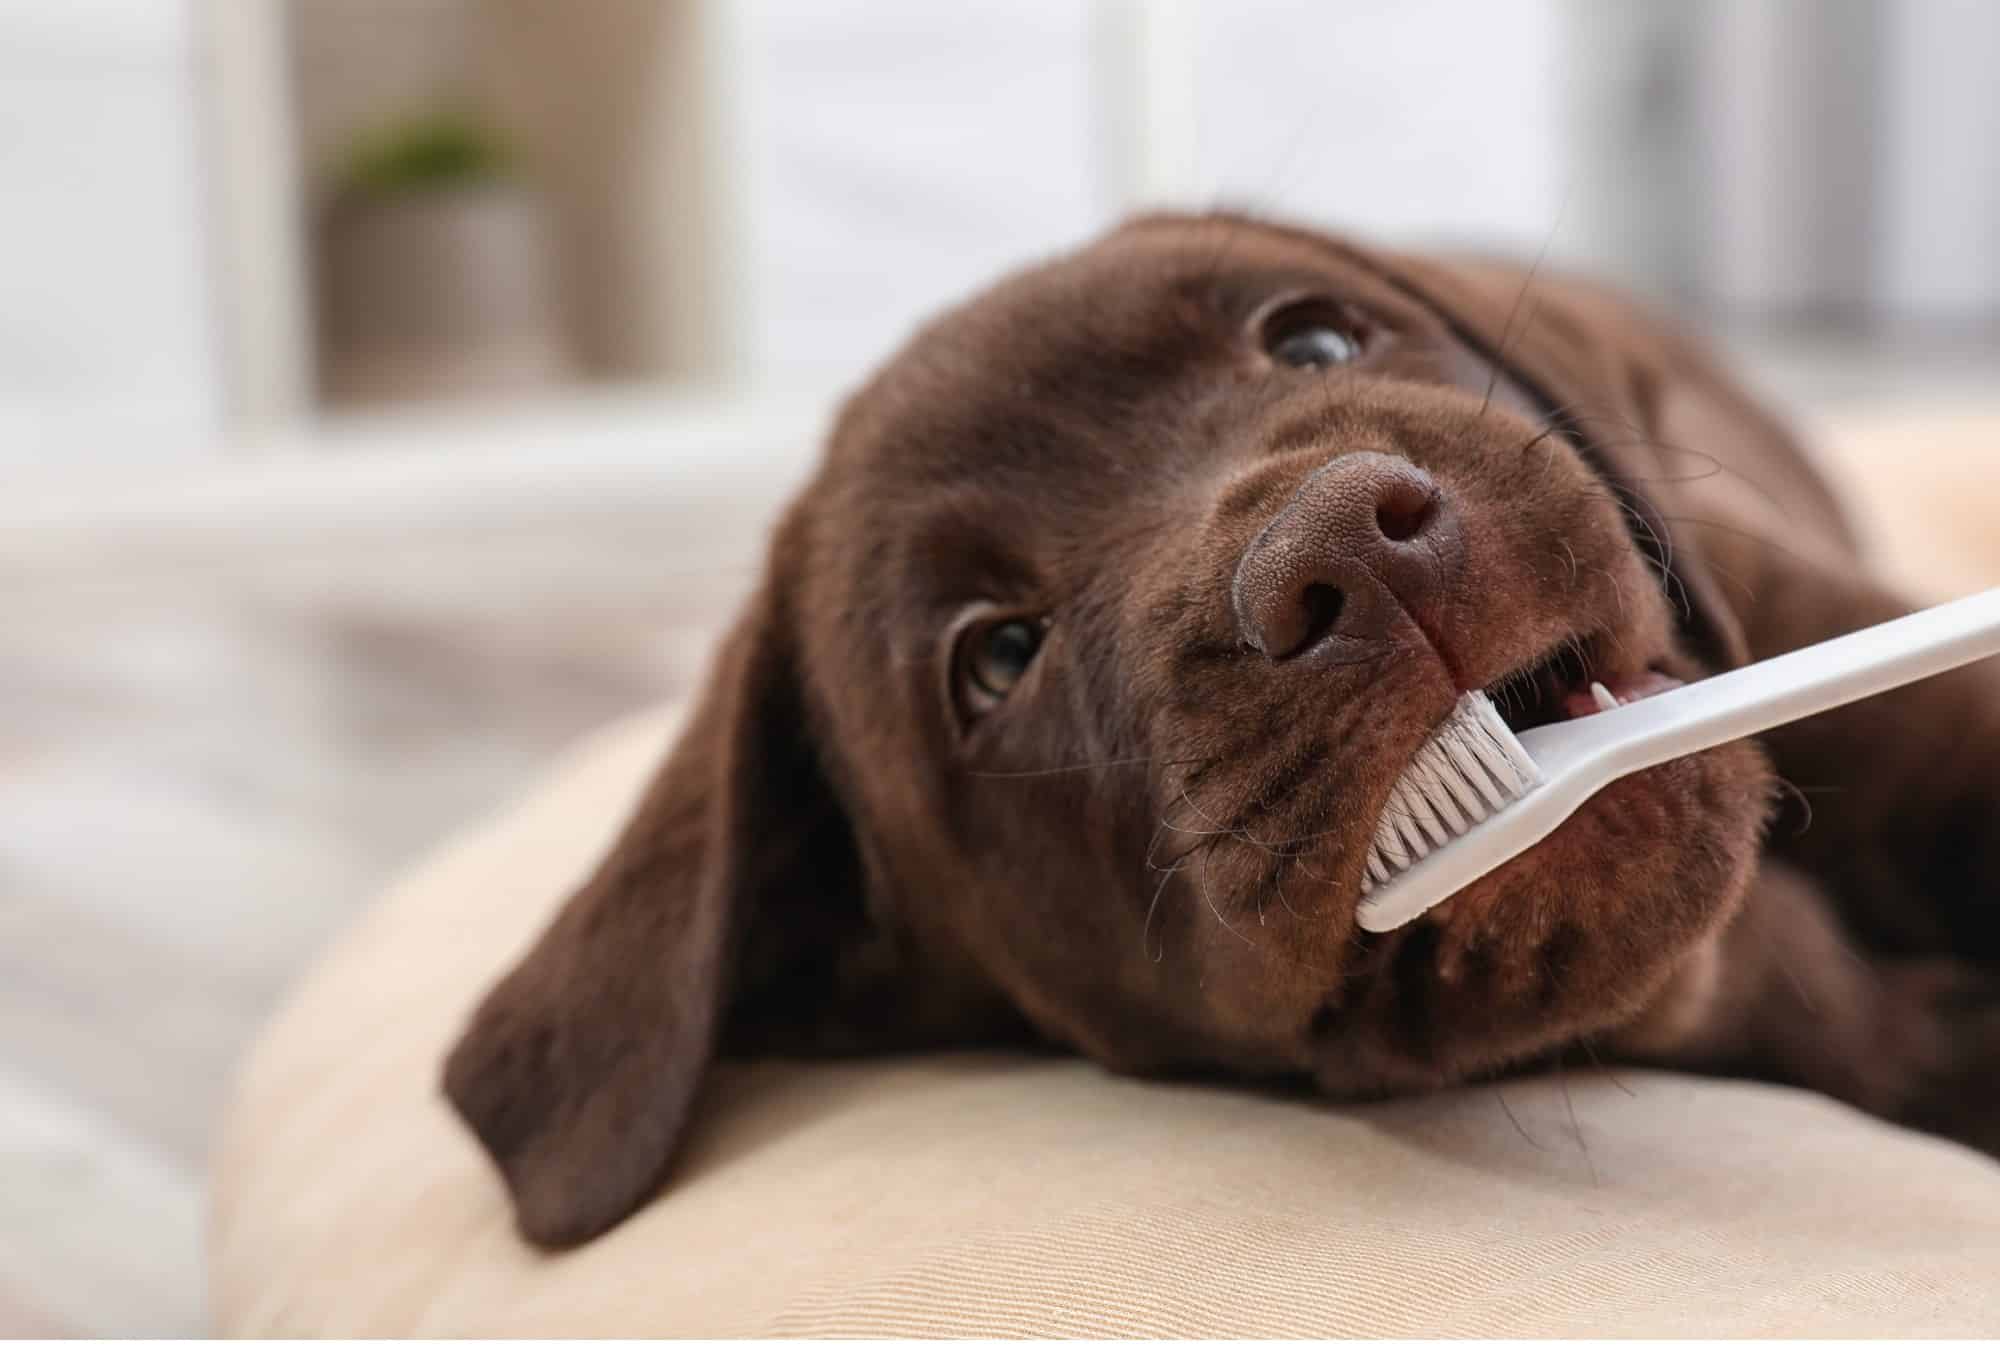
column 1776, row 952
column 1787, row 789
column 1662, row 544
column 1547, row 434
column 1499, row 359
column 1659, row 555
column 1310, row 872
column 1220, row 828
column 1199, row 831
column 1278, row 882
column 1576, row 1128
column 1209, row 897
column 1203, row 841
column 1748, row 534
column 1145, row 930
column 1637, row 438
column 1067, row 768
column 1590, row 1050
column 1519, row 1130
column 1617, row 594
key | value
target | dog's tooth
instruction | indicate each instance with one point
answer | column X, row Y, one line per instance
column 1603, row 697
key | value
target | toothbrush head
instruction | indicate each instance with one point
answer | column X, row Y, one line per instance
column 1469, row 769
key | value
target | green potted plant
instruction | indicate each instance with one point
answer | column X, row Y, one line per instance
column 437, row 272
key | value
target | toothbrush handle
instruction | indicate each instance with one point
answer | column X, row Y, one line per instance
column 1778, row 690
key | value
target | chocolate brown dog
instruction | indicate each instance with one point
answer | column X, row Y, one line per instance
column 1082, row 668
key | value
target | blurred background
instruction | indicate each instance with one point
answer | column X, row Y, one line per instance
column 392, row 390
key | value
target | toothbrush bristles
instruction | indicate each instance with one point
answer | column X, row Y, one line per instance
column 1472, row 767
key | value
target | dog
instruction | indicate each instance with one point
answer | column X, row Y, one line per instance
column 1079, row 673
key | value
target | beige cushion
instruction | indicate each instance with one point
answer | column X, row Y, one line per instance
column 1000, row 1195
column 1004, row 1195
column 1926, row 488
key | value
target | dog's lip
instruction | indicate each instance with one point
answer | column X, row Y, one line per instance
column 1537, row 690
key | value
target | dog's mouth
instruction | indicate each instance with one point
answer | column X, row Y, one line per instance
column 1567, row 682
column 1573, row 679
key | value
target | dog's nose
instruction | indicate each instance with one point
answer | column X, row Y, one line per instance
column 1364, row 538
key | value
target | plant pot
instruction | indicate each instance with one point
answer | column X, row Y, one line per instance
column 448, row 292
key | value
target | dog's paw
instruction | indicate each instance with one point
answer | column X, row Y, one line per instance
column 1953, row 1019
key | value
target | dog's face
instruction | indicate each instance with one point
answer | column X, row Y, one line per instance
column 1078, row 682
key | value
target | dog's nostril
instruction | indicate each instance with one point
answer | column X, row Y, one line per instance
column 1322, row 604
column 1363, row 541
column 1404, row 510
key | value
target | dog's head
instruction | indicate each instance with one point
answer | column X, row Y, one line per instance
column 1079, row 676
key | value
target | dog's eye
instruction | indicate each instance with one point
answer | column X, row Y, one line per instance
column 1315, row 348
column 996, row 656
column 1310, row 333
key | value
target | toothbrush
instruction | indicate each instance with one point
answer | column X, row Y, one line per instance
column 1476, row 795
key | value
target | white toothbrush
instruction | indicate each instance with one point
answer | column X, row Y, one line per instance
column 1476, row 795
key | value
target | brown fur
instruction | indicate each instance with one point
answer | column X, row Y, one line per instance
column 1149, row 850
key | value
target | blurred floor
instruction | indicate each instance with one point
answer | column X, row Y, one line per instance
column 205, row 768
column 195, row 789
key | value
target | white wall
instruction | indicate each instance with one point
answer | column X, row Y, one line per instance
column 1848, row 164
column 1941, row 194
column 107, row 341
column 1362, row 115
column 884, row 158
column 898, row 154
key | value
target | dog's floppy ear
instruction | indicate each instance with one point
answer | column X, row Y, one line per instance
column 1627, row 388
column 736, row 879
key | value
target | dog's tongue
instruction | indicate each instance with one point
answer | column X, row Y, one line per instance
column 1608, row 695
